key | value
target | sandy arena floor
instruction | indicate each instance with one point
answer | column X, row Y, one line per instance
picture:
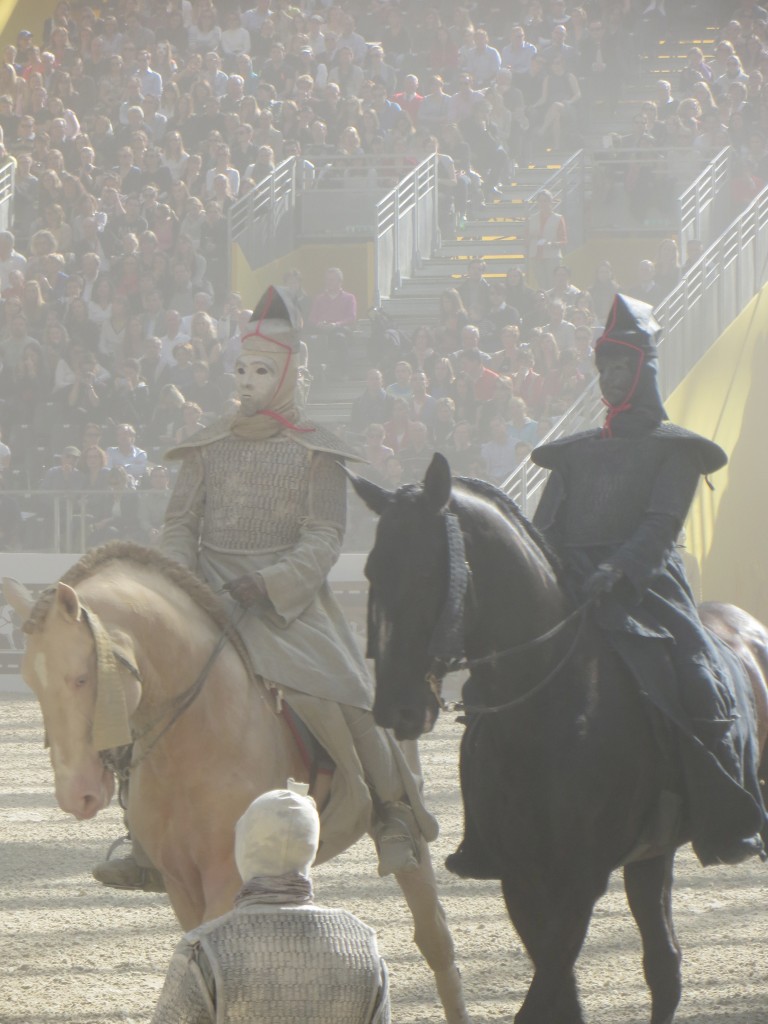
column 73, row 952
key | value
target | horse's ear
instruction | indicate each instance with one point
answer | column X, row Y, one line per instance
column 437, row 483
column 375, row 497
column 68, row 602
column 18, row 597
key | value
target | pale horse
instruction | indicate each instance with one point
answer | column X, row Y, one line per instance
column 121, row 650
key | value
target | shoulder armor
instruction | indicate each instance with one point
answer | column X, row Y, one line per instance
column 708, row 455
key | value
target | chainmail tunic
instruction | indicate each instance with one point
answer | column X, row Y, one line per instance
column 258, row 495
column 276, row 965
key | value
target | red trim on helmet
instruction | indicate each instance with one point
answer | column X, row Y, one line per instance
column 626, row 403
column 258, row 333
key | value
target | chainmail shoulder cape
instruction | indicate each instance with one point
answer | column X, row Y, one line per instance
column 709, row 456
column 312, row 436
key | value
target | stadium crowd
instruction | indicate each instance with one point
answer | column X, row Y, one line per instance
column 135, row 126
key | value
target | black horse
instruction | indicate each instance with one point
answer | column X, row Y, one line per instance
column 566, row 782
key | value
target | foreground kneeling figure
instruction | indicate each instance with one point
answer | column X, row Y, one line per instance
column 276, row 956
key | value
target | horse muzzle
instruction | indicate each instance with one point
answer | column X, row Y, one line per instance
column 85, row 791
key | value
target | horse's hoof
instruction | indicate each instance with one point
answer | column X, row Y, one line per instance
column 125, row 873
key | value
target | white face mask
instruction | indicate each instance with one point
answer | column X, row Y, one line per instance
column 257, row 378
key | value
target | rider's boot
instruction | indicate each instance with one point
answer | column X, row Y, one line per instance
column 134, row 871
column 396, row 835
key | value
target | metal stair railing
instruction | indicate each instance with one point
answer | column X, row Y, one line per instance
column 693, row 316
column 263, row 221
column 7, row 172
column 703, row 205
column 406, row 229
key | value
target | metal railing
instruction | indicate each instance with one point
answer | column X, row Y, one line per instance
column 7, row 172
column 350, row 198
column 693, row 316
column 668, row 188
column 263, row 221
column 55, row 521
column 704, row 205
column 406, row 228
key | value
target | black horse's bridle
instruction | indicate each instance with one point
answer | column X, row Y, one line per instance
column 446, row 645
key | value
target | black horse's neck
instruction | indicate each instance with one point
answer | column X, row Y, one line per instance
column 516, row 594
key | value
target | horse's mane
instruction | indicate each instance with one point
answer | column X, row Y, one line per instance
column 509, row 508
column 128, row 551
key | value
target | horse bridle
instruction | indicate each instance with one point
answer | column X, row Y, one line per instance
column 116, row 759
column 446, row 644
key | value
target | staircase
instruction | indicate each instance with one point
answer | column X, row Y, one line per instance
column 497, row 233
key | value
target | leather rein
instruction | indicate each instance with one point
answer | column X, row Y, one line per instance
column 446, row 642
column 119, row 760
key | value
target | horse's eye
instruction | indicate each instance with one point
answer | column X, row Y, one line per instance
column 81, row 681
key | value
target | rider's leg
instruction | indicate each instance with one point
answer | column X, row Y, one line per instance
column 396, row 831
column 135, row 870
column 375, row 770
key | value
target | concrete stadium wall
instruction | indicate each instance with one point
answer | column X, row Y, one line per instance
column 353, row 259
column 725, row 398
column 623, row 254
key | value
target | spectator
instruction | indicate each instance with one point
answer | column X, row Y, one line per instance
column 333, row 316
column 125, row 453
column 668, row 267
column 423, row 405
column 560, row 329
column 10, row 519
column 505, row 360
column 192, row 417
column 645, row 287
column 153, row 503
column 475, row 290
column 470, row 341
column 498, row 452
column 417, row 454
column 604, row 289
column 397, row 429
column 443, row 379
column 65, row 476
column 482, row 61
column 374, row 405
column 453, row 317
column 117, row 515
column 547, row 238
column 463, row 453
column 9, row 258
column 375, row 451
column 518, row 53
column 557, row 107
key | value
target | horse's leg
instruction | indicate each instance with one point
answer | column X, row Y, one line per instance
column 551, row 917
column 186, row 902
column 432, row 936
column 648, row 884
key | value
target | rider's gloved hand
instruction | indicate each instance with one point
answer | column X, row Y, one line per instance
column 602, row 581
column 247, row 590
